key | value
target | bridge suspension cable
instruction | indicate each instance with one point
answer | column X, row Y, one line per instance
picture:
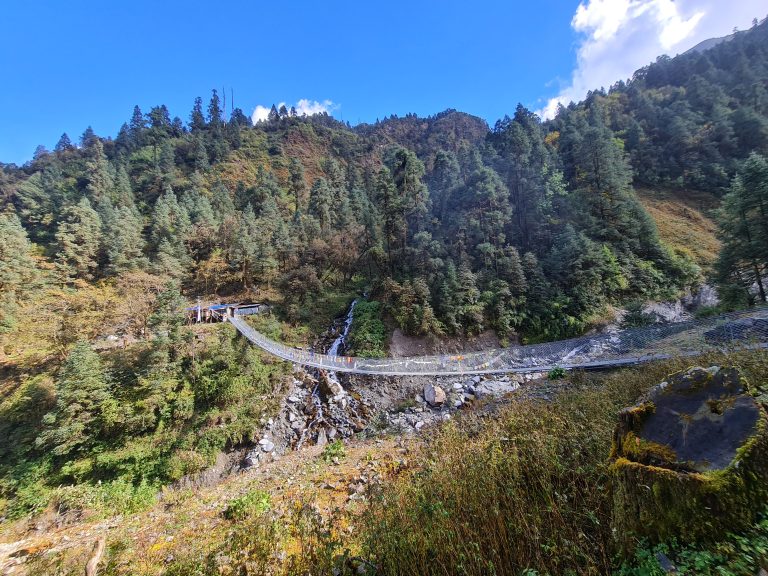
column 737, row 330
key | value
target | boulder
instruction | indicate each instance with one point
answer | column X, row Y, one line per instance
column 329, row 387
column 495, row 388
column 434, row 395
column 690, row 459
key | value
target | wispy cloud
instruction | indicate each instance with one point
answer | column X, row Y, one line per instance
column 619, row 36
column 304, row 107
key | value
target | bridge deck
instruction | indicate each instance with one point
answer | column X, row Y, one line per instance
column 738, row 330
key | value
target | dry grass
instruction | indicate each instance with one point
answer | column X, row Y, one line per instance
column 684, row 222
column 519, row 489
column 527, row 489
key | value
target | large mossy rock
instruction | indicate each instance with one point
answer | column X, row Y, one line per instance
column 691, row 459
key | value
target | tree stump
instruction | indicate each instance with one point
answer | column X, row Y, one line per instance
column 690, row 459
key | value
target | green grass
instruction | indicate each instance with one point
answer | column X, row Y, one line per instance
column 735, row 555
column 322, row 308
column 334, row 450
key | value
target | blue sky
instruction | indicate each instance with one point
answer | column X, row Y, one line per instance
column 67, row 65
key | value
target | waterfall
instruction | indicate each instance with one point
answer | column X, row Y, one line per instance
column 340, row 341
column 337, row 345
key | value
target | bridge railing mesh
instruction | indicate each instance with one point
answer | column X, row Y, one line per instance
column 737, row 330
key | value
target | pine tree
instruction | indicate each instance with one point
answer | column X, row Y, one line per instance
column 321, row 202
column 196, row 118
column 64, row 144
column 444, row 182
column 168, row 261
column 84, row 405
column 297, row 184
column 199, row 155
column 221, row 202
column 17, row 267
column 744, row 229
column 88, row 138
column 245, row 250
column 214, row 111
column 167, row 326
column 239, row 118
column 136, row 128
column 123, row 240
column 99, row 173
column 170, row 221
column 77, row 239
column 123, row 190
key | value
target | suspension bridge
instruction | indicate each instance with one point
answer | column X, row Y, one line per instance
column 733, row 331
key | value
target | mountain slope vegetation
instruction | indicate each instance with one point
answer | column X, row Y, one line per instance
column 532, row 229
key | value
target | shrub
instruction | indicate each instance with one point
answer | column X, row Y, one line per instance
column 334, row 450
column 250, row 504
column 736, row 555
column 635, row 317
column 556, row 373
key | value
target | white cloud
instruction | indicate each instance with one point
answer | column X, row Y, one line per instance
column 304, row 107
column 259, row 113
column 620, row 36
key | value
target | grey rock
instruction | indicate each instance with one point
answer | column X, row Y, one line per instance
column 495, row 388
column 251, row 461
column 267, row 446
column 329, row 386
column 434, row 395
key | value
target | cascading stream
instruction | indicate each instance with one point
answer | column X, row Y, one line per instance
column 334, row 350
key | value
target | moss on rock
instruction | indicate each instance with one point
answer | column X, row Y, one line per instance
column 690, row 460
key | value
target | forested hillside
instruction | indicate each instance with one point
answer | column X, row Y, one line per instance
column 527, row 227
column 530, row 228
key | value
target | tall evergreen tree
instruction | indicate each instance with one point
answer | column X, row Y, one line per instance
column 743, row 261
column 196, row 118
column 78, row 239
column 123, row 240
column 297, row 184
column 17, row 267
column 64, row 144
column 136, row 128
column 84, row 405
column 321, row 203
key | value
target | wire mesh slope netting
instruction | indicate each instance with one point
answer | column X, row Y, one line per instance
column 737, row 330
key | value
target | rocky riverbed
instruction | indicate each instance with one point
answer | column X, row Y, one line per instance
column 318, row 410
